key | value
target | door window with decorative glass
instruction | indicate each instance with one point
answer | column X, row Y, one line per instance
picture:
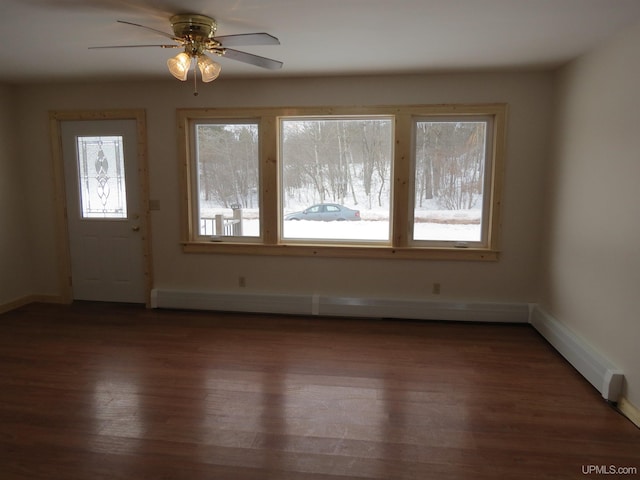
column 101, row 177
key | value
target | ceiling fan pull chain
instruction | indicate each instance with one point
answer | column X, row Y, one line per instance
column 195, row 79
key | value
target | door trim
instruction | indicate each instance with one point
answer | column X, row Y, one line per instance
column 60, row 199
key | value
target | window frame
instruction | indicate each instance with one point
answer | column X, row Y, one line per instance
column 402, row 246
column 486, row 183
column 195, row 180
column 335, row 241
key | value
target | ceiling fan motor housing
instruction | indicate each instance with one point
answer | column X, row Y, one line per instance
column 199, row 28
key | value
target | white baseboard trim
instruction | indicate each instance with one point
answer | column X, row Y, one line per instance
column 423, row 309
column 324, row 305
column 592, row 365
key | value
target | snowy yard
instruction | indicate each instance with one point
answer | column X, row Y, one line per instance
column 437, row 225
column 378, row 230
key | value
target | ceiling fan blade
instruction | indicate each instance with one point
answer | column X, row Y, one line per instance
column 252, row 59
column 244, row 39
column 133, row 46
column 160, row 32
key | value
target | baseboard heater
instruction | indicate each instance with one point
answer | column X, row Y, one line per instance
column 598, row 370
column 593, row 366
column 326, row 305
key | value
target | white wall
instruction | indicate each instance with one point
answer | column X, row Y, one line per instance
column 591, row 279
column 15, row 263
column 589, row 272
column 513, row 278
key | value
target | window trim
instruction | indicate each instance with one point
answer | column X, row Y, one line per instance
column 401, row 243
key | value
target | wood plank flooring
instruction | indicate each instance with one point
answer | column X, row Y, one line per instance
column 101, row 391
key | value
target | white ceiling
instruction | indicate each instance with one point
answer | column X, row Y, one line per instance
column 48, row 39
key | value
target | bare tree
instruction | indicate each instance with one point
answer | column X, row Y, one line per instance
column 322, row 159
column 450, row 163
column 227, row 162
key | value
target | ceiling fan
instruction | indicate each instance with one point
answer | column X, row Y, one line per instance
column 195, row 34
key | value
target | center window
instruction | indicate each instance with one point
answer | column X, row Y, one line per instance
column 336, row 179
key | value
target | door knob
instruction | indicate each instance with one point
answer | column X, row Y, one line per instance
column 136, row 228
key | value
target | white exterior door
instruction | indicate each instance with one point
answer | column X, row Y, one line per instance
column 103, row 210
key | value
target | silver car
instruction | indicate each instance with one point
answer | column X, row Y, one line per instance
column 325, row 212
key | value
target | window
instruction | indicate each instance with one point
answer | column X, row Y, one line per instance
column 101, row 177
column 389, row 182
column 331, row 169
column 451, row 156
column 226, row 175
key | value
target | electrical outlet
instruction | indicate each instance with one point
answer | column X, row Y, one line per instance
column 242, row 282
column 436, row 289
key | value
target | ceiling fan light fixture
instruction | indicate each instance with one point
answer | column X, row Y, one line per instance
column 208, row 68
column 179, row 66
column 196, row 35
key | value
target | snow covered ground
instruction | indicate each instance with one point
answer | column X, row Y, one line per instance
column 431, row 223
column 370, row 229
column 378, row 230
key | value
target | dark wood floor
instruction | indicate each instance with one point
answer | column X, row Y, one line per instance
column 98, row 391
